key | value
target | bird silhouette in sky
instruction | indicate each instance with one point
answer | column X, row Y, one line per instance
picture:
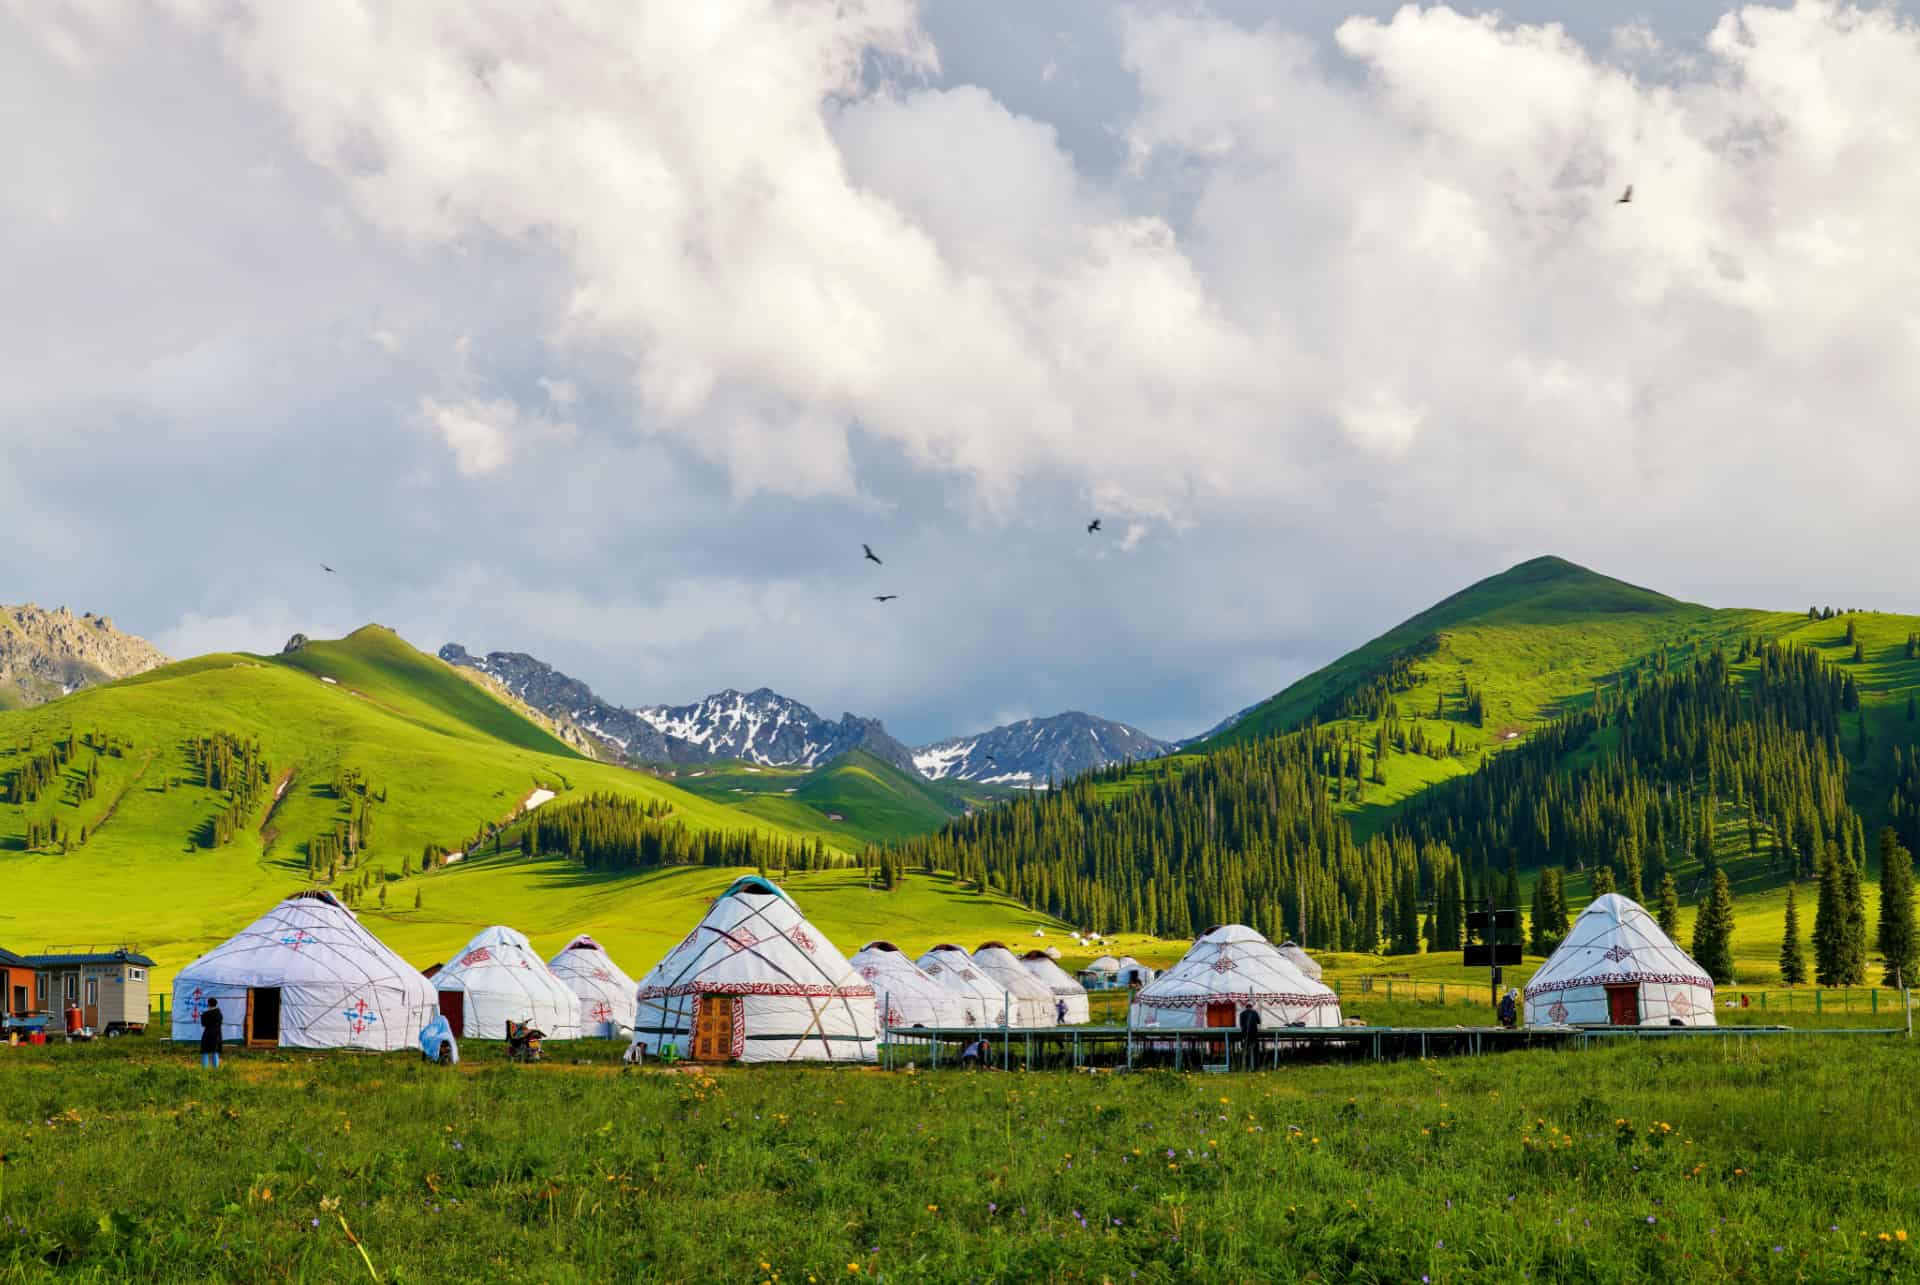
column 1093, row 526
column 871, row 555
column 1626, row 197
column 885, row 597
column 329, row 570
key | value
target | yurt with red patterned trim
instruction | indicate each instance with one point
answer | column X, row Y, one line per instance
column 1060, row 984
column 1033, row 1005
column 606, row 992
column 986, row 1001
column 1617, row 968
column 903, row 995
column 305, row 975
column 498, row 978
column 755, row 982
column 1230, row 968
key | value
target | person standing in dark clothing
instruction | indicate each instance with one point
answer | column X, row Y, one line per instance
column 210, row 1035
column 1250, row 1031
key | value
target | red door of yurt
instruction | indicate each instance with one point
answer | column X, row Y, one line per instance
column 1623, row 1005
column 1219, row 1015
column 453, row 1007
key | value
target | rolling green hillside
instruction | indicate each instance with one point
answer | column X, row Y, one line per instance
column 369, row 731
column 854, row 800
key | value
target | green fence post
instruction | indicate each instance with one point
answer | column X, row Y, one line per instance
column 1874, row 996
column 1763, row 1000
column 1816, row 999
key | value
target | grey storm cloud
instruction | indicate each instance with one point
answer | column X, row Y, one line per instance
column 608, row 333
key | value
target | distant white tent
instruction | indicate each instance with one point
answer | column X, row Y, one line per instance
column 606, row 992
column 986, row 1001
column 1301, row 960
column 497, row 978
column 1132, row 972
column 1033, row 1004
column 755, row 982
column 1102, row 974
column 1057, row 980
column 1053, row 953
column 903, row 994
column 1229, row 968
column 309, row 975
column 1616, row 968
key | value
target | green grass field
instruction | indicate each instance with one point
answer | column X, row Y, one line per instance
column 1769, row 1159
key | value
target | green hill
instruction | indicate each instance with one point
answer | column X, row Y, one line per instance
column 193, row 796
column 852, row 801
column 1529, row 638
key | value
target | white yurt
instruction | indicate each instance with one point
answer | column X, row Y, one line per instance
column 902, row 994
column 1102, row 974
column 1229, row 968
column 497, row 978
column 986, row 1001
column 1616, row 968
column 1132, row 972
column 1301, row 960
column 306, row 975
column 1057, row 980
column 755, row 982
column 1052, row 952
column 1033, row 1004
column 605, row 990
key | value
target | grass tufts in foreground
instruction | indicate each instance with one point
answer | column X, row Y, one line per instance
column 1774, row 1158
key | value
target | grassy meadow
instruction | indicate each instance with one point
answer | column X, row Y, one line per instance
column 1770, row 1159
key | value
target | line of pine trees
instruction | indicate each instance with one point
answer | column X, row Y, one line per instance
column 612, row 832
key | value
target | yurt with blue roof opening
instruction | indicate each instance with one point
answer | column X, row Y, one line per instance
column 755, row 982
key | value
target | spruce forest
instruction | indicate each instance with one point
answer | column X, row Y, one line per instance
column 1634, row 792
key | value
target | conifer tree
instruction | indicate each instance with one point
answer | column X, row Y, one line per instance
column 1829, row 922
column 1793, row 960
column 1713, row 931
column 1854, row 958
column 1896, row 910
column 1668, row 911
column 416, row 899
column 1602, row 880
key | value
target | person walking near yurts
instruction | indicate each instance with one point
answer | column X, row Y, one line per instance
column 1509, row 1009
column 210, row 1036
column 1250, row 1031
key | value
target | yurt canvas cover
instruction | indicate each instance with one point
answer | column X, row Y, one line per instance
column 497, row 978
column 1616, row 968
column 1033, row 1004
column 605, row 991
column 1102, row 974
column 1057, row 980
column 755, row 982
column 1230, row 968
column 308, row 975
column 903, row 995
column 986, row 1001
column 1300, row 959
column 1133, row 973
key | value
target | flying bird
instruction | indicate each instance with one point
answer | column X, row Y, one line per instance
column 885, row 597
column 329, row 570
column 1093, row 526
column 1626, row 197
column 871, row 556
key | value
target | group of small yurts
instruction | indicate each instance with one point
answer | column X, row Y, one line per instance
column 754, row 981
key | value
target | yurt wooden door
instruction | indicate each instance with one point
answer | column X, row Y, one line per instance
column 263, row 1017
column 1623, row 1005
column 453, row 1007
column 713, row 1028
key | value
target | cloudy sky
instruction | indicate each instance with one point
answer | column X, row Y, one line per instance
column 609, row 331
